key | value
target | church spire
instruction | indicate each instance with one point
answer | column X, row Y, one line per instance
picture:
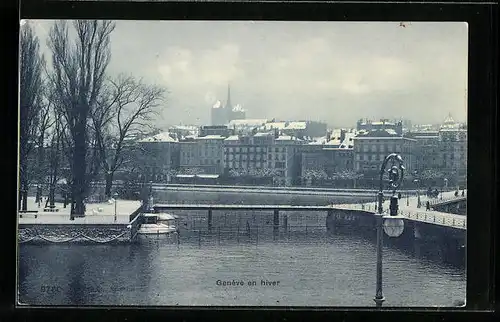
column 228, row 102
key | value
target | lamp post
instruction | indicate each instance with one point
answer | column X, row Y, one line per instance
column 115, row 195
column 393, row 224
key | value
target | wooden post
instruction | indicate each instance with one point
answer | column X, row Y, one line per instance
column 199, row 238
column 276, row 220
column 209, row 220
column 257, row 232
column 218, row 233
column 285, row 222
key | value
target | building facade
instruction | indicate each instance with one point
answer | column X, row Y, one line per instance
column 371, row 148
column 204, row 155
column 383, row 124
column 156, row 157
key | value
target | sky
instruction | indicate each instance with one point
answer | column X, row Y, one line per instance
column 336, row 72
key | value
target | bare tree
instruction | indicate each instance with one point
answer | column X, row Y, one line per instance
column 123, row 113
column 77, row 79
column 31, row 95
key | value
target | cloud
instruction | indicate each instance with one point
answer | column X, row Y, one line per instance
column 333, row 71
column 211, row 67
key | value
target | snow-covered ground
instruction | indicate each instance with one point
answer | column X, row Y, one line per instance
column 96, row 213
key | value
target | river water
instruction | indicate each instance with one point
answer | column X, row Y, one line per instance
column 301, row 267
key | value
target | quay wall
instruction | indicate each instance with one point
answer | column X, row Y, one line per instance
column 450, row 241
column 78, row 234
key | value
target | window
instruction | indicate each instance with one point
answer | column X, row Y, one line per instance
column 251, row 149
column 279, row 164
column 257, row 149
column 283, row 157
column 276, row 150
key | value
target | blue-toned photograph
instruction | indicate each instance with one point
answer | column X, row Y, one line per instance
column 242, row 163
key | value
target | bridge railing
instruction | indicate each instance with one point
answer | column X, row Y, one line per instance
column 444, row 200
column 430, row 217
column 450, row 221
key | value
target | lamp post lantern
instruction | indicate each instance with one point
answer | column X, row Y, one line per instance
column 392, row 224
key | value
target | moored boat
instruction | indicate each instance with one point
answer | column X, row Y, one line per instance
column 157, row 224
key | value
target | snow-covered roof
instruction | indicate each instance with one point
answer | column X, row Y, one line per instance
column 211, row 137
column 208, row 176
column 238, row 108
column 247, row 122
column 232, row 138
column 260, row 134
column 160, row 137
column 286, row 138
column 185, row 127
column 318, row 141
column 348, row 142
column 274, row 125
column 217, row 104
column 296, row 126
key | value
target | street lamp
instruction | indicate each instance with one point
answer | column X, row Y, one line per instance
column 115, row 196
column 392, row 224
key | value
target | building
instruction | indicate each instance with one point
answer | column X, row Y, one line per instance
column 340, row 158
column 222, row 114
column 298, row 129
column 443, row 149
column 264, row 153
column 453, row 149
column 218, row 114
column 427, row 151
column 221, row 130
column 202, row 155
column 286, row 159
column 156, row 157
column 182, row 131
column 247, row 126
column 383, row 124
column 371, row 148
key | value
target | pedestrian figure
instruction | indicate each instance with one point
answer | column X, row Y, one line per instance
column 427, row 205
column 399, row 195
column 463, row 192
column 456, row 193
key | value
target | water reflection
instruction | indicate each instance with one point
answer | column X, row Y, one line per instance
column 314, row 266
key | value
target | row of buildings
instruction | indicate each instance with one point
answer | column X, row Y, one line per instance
column 295, row 153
